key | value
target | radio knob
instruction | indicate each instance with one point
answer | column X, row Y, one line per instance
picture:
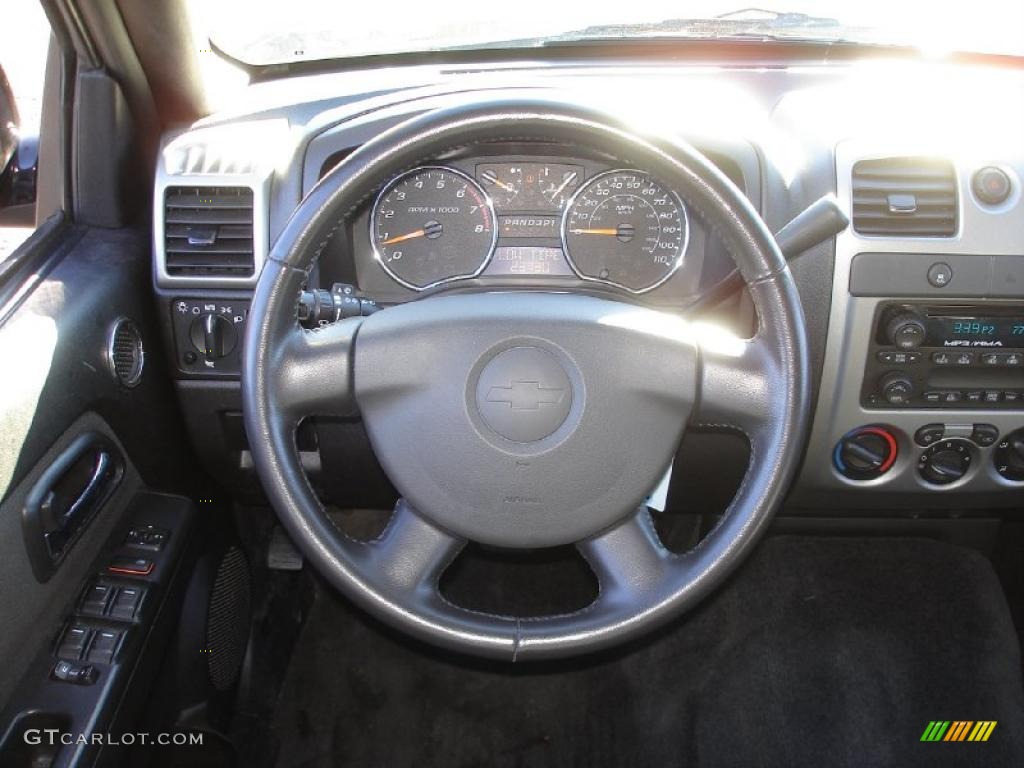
column 896, row 388
column 945, row 462
column 905, row 330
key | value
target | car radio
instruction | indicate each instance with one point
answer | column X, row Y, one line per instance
column 945, row 356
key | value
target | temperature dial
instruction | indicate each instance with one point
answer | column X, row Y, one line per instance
column 865, row 453
column 945, row 462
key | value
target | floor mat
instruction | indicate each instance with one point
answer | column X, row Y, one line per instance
column 818, row 652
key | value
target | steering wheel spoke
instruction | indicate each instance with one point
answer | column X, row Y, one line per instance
column 734, row 383
column 313, row 371
column 412, row 553
column 629, row 560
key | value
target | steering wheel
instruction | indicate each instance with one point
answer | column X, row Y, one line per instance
column 622, row 383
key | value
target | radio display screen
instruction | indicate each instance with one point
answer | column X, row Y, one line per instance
column 975, row 331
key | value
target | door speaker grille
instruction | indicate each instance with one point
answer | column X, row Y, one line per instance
column 227, row 623
column 125, row 352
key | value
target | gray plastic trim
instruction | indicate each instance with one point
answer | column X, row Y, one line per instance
column 257, row 180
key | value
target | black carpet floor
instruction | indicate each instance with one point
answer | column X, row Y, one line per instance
column 819, row 652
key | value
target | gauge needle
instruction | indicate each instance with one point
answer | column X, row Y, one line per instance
column 562, row 186
column 492, row 178
column 406, row 236
column 612, row 232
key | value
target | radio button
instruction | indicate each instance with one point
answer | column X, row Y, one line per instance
column 942, row 358
column 993, row 396
column 975, row 396
column 932, row 397
column 991, row 358
column 952, row 396
column 1011, row 359
column 893, row 357
column 964, row 358
column 1011, row 397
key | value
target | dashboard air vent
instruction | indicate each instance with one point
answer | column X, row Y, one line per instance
column 904, row 196
column 208, row 231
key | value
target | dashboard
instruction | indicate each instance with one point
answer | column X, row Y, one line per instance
column 914, row 312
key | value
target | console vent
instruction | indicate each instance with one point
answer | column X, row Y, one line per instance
column 904, row 196
column 208, row 231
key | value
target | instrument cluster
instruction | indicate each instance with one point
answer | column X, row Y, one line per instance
column 497, row 217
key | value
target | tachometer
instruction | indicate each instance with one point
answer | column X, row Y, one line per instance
column 432, row 225
column 626, row 229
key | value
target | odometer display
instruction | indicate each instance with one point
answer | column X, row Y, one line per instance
column 432, row 225
column 626, row 229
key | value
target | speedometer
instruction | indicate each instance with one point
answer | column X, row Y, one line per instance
column 432, row 225
column 626, row 229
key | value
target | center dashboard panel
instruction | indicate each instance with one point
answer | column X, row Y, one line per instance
column 922, row 395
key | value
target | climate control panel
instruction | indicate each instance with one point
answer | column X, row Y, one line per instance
column 940, row 454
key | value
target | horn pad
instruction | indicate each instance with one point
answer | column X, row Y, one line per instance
column 523, row 421
column 524, row 394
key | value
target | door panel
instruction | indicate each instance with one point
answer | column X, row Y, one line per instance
column 57, row 315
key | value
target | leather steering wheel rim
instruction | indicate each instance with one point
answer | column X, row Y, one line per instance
column 758, row 386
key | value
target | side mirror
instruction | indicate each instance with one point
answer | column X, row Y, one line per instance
column 19, row 161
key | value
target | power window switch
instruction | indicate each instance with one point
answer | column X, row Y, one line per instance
column 104, row 646
column 150, row 537
column 74, row 672
column 126, row 603
column 94, row 601
column 73, row 642
column 131, row 566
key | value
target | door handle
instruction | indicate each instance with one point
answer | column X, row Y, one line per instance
column 56, row 522
column 66, row 497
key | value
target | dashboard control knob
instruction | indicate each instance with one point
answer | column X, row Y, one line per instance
column 865, row 453
column 991, row 185
column 905, row 330
column 1009, row 456
column 896, row 388
column 945, row 462
column 214, row 336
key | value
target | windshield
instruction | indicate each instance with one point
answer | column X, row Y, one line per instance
column 262, row 32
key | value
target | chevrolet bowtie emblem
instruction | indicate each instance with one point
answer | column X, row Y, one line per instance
column 525, row 395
